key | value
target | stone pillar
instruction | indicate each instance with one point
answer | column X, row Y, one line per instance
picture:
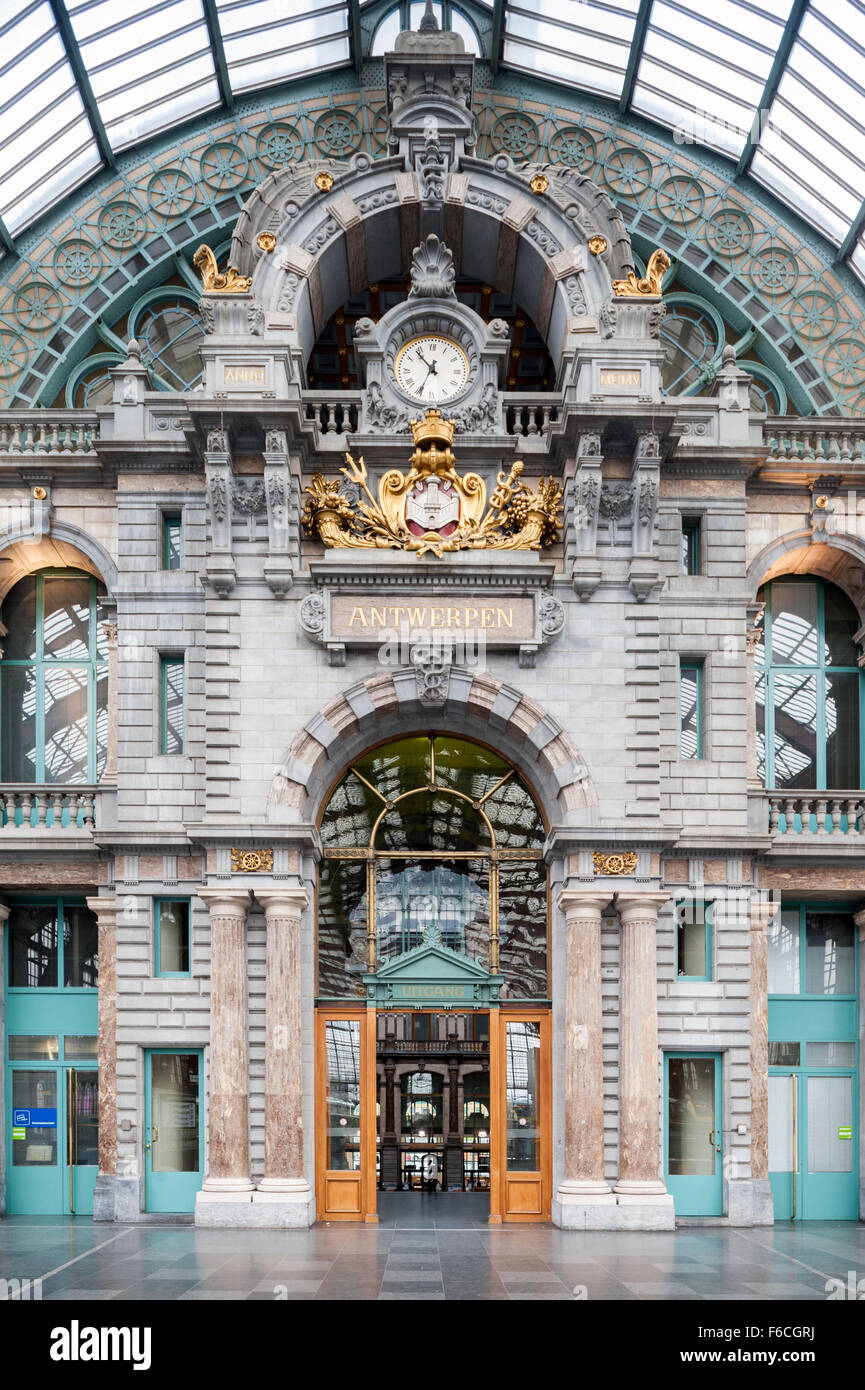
column 762, row 1213
column 105, row 1195
column 583, row 1197
column 227, row 1179
column 109, row 776
column 284, row 1189
column 640, row 1191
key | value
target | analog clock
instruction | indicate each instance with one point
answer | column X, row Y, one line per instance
column 431, row 369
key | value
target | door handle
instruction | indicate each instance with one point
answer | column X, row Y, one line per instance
column 154, row 1135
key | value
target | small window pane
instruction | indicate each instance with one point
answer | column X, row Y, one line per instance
column 80, row 948
column 18, row 695
column 523, row 1043
column 33, row 947
column 34, row 1109
column 829, row 954
column 690, row 718
column 795, row 701
column 782, row 1093
column 173, row 938
column 830, row 1054
column 794, row 624
column 690, row 547
column 692, row 941
column 842, row 729
column 65, row 694
column 341, row 928
column 33, row 1048
column 172, row 543
column 784, row 1054
column 842, row 622
column 342, row 1047
column 172, row 705
column 79, row 1049
column 19, row 616
column 783, row 953
column 523, row 928
column 66, row 632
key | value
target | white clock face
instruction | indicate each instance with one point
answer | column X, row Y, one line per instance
column 431, row 369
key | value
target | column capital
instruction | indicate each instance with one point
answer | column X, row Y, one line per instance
column 288, row 901
column 225, row 902
column 583, row 904
column 640, row 907
column 761, row 913
column 104, row 909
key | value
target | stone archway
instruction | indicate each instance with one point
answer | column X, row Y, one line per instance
column 477, row 706
column 25, row 549
column 839, row 558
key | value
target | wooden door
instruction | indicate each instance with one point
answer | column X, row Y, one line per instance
column 345, row 1115
column 520, row 1100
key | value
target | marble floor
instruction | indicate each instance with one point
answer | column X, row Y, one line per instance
column 428, row 1247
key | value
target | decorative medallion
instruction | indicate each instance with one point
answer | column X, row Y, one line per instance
column 624, row 863
column 229, row 282
column 597, row 245
column 324, row 181
column 659, row 264
column 266, row 241
column 251, row 861
column 432, row 508
column 539, row 184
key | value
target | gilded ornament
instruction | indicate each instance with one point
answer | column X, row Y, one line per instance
column 229, row 282
column 659, row 264
column 432, row 508
column 251, row 861
column 539, row 184
column 624, row 863
column 324, row 181
column 597, row 245
column 822, row 502
column 40, row 494
column 266, row 241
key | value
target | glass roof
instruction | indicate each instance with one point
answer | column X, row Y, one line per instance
column 776, row 86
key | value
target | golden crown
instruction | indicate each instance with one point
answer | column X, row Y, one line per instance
column 433, row 429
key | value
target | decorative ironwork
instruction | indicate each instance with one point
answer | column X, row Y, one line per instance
column 624, row 863
column 431, row 508
column 659, row 264
column 251, row 861
column 227, row 282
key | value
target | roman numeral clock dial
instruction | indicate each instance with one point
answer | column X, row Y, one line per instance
column 431, row 369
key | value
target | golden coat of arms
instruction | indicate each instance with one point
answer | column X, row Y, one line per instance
column 432, row 508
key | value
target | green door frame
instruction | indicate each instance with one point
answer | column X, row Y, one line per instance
column 170, row 1191
column 697, row 1195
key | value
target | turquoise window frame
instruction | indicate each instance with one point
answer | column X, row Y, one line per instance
column 166, row 661
column 60, row 1025
column 691, row 537
column 696, row 667
column 94, row 664
column 707, row 931
column 171, row 522
column 819, row 671
column 157, row 940
column 803, row 908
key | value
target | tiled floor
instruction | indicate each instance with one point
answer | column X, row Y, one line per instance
column 432, row 1247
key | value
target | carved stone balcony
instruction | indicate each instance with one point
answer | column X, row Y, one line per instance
column 55, row 432
column 27, row 808
column 817, row 814
column 822, row 441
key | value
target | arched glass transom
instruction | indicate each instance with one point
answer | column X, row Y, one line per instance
column 432, row 840
column 808, row 687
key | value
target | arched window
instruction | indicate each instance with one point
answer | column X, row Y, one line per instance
column 809, row 687
column 170, row 334
column 54, row 680
column 432, row 840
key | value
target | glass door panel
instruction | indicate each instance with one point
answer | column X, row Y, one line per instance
column 693, row 1133
column 36, row 1171
column 520, row 1087
column 346, row 1128
column 830, row 1187
column 82, row 1128
column 173, row 1138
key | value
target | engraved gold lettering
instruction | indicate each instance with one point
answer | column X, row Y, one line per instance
column 357, row 616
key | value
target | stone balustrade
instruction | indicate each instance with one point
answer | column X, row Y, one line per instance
column 820, row 441
column 432, row 1045
column 336, row 412
column 817, row 813
column 30, row 807
column 529, row 414
column 48, row 431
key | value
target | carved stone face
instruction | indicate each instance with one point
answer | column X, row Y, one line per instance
column 432, row 505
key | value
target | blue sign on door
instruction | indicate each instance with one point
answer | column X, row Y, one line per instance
column 35, row 1119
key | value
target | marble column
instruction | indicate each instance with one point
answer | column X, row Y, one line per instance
column 284, row 1182
column 640, row 1183
column 583, row 1188
column 227, row 1177
column 762, row 912
column 104, row 1196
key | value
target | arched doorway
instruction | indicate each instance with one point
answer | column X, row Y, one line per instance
column 432, row 963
